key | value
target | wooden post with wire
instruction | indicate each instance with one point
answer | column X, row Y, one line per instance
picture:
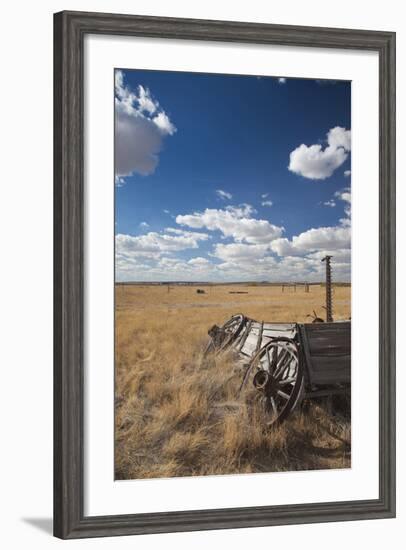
column 329, row 305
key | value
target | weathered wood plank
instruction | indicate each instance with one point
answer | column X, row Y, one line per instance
column 327, row 350
column 246, row 334
column 259, row 341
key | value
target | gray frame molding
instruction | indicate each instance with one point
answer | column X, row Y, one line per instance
column 69, row 31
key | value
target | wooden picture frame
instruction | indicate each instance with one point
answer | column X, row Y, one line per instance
column 70, row 30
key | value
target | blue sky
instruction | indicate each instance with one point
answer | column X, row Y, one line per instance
column 231, row 178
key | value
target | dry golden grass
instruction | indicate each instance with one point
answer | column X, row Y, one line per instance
column 178, row 415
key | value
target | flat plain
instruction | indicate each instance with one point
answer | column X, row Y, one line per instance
column 178, row 415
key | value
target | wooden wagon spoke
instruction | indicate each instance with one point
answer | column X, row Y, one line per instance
column 283, row 394
column 281, row 367
column 285, row 374
column 229, row 332
column 273, row 366
column 288, row 372
column 287, row 381
column 268, row 359
column 274, row 407
column 284, row 364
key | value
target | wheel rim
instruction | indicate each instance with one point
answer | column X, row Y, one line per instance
column 232, row 329
column 275, row 379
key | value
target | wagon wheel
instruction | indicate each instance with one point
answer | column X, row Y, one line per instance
column 275, row 379
column 221, row 337
column 232, row 329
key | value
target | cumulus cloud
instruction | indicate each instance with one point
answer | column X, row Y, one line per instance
column 224, row 195
column 235, row 222
column 289, row 268
column 340, row 255
column 140, row 127
column 282, row 80
column 314, row 162
column 345, row 195
column 234, row 262
column 320, row 239
column 240, row 251
column 267, row 203
column 164, row 268
column 339, row 137
column 153, row 244
column 144, row 224
column 199, row 262
column 161, row 120
column 257, row 250
column 331, row 203
column 347, row 173
column 283, row 247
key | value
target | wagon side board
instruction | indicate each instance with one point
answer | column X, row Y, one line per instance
column 256, row 334
column 327, row 352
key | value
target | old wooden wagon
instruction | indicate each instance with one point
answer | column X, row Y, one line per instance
column 283, row 363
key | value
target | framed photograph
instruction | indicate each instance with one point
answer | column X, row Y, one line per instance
column 224, row 275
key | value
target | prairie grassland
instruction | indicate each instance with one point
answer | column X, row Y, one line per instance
column 177, row 415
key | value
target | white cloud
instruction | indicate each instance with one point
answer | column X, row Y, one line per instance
column 119, row 181
column 282, row 80
column 322, row 238
column 165, row 268
column 240, row 251
column 199, row 262
column 153, row 245
column 314, row 162
column 267, row 203
column 234, row 222
column 144, row 224
column 339, row 255
column 345, row 195
column 238, row 262
column 264, row 196
column 145, row 101
column 164, row 124
column 339, row 137
column 332, row 203
column 137, row 144
column 289, row 268
column 283, row 247
column 347, row 173
column 242, row 210
column 140, row 127
column 224, row 195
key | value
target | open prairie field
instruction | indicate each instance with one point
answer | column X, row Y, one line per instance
column 177, row 415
